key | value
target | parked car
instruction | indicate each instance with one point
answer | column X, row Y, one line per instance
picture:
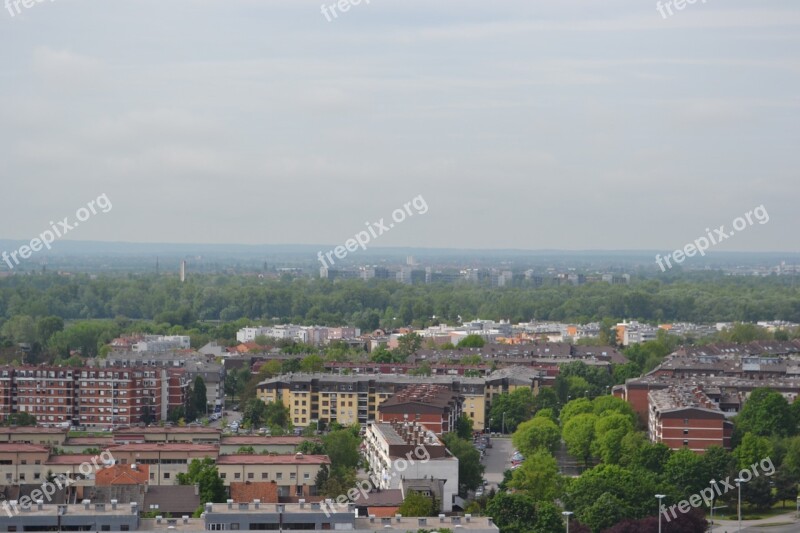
column 479, row 492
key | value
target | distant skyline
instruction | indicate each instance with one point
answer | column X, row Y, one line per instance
column 547, row 125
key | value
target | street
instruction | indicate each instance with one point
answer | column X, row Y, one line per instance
column 497, row 460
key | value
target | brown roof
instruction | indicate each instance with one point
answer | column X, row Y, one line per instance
column 242, row 492
column 122, row 475
column 253, row 459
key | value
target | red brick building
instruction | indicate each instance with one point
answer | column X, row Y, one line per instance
column 94, row 397
column 686, row 418
column 435, row 406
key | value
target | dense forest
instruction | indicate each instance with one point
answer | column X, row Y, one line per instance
column 706, row 298
column 62, row 313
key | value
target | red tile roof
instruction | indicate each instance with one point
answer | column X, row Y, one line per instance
column 122, row 475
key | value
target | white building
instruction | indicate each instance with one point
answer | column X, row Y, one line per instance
column 405, row 451
column 162, row 343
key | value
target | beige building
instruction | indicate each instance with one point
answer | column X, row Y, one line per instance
column 22, row 463
column 166, row 460
column 261, row 444
column 295, row 475
column 34, row 435
column 186, row 434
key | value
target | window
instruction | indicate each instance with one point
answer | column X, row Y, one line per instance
column 222, row 475
column 237, row 475
column 293, row 475
column 279, row 475
column 686, row 443
column 685, row 431
column 166, row 475
column 306, row 476
column 22, row 477
column 250, row 475
column 264, row 475
column 37, row 475
column 685, row 421
column 105, row 528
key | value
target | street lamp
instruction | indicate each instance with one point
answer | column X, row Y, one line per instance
column 739, row 482
column 504, row 423
column 798, row 507
column 568, row 513
column 660, row 497
column 713, row 483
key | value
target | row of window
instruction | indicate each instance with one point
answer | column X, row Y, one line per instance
column 265, row 475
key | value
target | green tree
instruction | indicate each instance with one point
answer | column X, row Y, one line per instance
column 203, row 472
column 199, row 399
column 312, row 363
column 342, row 448
column 513, row 513
column 407, row 345
column 538, row 432
column 609, row 429
column 753, row 449
column 464, row 427
column 579, row 436
column 574, row 408
column 686, row 472
column 416, row 504
column 470, row 469
column 471, row 341
column 513, row 408
column 765, row 413
column 538, row 476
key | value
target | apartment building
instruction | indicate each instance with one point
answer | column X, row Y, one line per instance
column 48, row 393
column 295, row 475
column 403, row 451
column 684, row 417
column 350, row 399
column 94, row 397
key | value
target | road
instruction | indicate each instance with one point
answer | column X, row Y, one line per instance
column 497, row 460
column 762, row 526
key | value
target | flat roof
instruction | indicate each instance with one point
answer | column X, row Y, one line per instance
column 71, row 459
column 172, row 429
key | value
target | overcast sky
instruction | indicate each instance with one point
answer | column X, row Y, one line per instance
column 527, row 124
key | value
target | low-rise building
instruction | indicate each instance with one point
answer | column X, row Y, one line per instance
column 295, row 475
column 166, row 460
